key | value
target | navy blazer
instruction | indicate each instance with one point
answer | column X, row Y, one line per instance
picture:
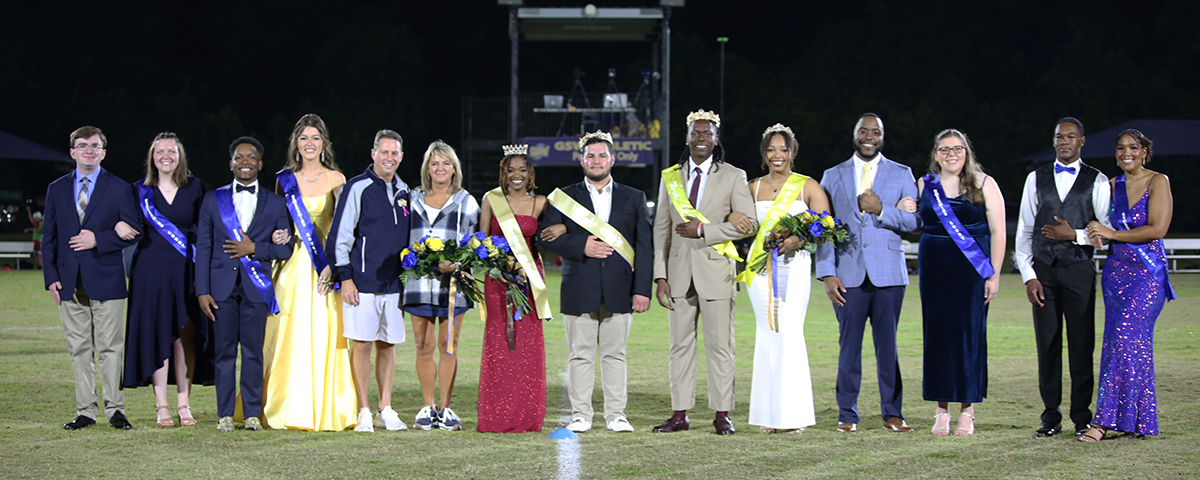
column 216, row 273
column 587, row 281
column 101, row 269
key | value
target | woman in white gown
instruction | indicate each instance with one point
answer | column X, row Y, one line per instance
column 781, row 397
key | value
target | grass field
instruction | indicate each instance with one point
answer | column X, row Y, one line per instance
column 36, row 398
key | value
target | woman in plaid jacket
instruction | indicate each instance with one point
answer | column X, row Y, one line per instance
column 442, row 209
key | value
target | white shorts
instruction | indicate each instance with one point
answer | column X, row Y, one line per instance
column 377, row 317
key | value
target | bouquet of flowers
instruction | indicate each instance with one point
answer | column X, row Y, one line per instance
column 813, row 229
column 492, row 254
column 422, row 259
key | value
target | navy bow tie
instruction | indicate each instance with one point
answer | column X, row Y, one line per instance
column 1059, row 169
column 250, row 188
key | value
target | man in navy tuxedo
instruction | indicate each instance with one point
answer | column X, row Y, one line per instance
column 88, row 213
column 234, row 289
column 601, row 290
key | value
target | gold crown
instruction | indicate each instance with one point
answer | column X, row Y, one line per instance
column 777, row 128
column 703, row 115
column 597, row 134
column 522, row 149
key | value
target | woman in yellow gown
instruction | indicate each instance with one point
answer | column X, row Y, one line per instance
column 308, row 384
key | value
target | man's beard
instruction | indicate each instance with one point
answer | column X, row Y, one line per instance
column 596, row 178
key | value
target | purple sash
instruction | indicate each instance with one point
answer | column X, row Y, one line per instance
column 304, row 225
column 262, row 281
column 168, row 230
column 966, row 243
column 1153, row 261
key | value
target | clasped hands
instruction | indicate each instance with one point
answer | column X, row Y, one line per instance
column 691, row 228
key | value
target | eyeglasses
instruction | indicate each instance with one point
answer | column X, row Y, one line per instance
column 86, row 147
column 957, row 149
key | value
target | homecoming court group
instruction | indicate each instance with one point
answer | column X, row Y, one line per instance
column 302, row 278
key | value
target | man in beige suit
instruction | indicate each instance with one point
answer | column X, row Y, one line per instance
column 694, row 266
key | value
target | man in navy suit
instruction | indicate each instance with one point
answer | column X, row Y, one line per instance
column 866, row 276
column 234, row 289
column 88, row 213
column 601, row 290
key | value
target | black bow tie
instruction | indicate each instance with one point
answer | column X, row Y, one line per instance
column 245, row 188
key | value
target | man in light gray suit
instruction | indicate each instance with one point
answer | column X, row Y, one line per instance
column 865, row 277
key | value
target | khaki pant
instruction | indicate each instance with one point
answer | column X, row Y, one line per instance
column 607, row 333
column 95, row 327
column 718, row 347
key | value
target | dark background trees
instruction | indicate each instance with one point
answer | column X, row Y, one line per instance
column 1002, row 72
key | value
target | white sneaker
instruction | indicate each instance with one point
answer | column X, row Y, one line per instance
column 620, row 424
column 391, row 420
column 448, row 420
column 579, row 425
column 365, row 423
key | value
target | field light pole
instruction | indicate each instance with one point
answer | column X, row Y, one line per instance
column 722, row 41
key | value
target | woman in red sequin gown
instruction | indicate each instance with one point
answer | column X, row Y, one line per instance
column 512, row 382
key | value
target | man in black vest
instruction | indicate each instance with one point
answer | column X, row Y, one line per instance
column 1055, row 259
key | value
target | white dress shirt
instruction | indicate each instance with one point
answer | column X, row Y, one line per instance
column 602, row 198
column 1030, row 203
column 245, row 203
column 687, row 177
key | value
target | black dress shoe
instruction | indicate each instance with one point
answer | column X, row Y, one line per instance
column 724, row 426
column 1079, row 430
column 673, row 425
column 79, row 422
column 1048, row 430
column 119, row 421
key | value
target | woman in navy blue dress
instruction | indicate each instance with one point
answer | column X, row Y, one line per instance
column 960, row 274
column 164, row 337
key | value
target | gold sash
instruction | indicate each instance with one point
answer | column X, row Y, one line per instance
column 783, row 202
column 674, row 183
column 592, row 223
column 516, row 241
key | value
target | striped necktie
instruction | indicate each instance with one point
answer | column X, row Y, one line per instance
column 81, row 203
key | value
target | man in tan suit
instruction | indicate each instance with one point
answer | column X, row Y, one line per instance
column 694, row 266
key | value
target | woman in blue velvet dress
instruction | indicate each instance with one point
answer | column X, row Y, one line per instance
column 958, row 277
column 1136, row 288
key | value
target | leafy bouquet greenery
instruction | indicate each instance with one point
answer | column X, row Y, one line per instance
column 813, row 229
column 491, row 254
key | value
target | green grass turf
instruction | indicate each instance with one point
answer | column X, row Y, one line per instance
column 36, row 398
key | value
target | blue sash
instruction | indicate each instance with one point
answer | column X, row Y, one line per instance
column 168, row 230
column 304, row 225
column 966, row 243
column 1153, row 261
column 254, row 270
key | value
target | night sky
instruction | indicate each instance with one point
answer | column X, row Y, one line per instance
column 1002, row 72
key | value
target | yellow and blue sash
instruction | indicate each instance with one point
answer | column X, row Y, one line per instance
column 673, row 180
column 783, row 202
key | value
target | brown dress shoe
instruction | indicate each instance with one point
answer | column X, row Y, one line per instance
column 896, row 424
column 847, row 427
column 724, row 426
column 673, row 425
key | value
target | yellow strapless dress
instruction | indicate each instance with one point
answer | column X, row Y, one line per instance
column 306, row 360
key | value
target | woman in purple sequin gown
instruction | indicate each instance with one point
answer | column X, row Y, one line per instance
column 1135, row 288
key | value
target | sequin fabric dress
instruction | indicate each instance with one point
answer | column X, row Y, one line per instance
column 512, row 383
column 1133, row 298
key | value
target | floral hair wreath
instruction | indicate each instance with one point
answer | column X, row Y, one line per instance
column 597, row 134
column 778, row 128
column 704, row 115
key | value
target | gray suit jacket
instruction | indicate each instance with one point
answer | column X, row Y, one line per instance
column 874, row 248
